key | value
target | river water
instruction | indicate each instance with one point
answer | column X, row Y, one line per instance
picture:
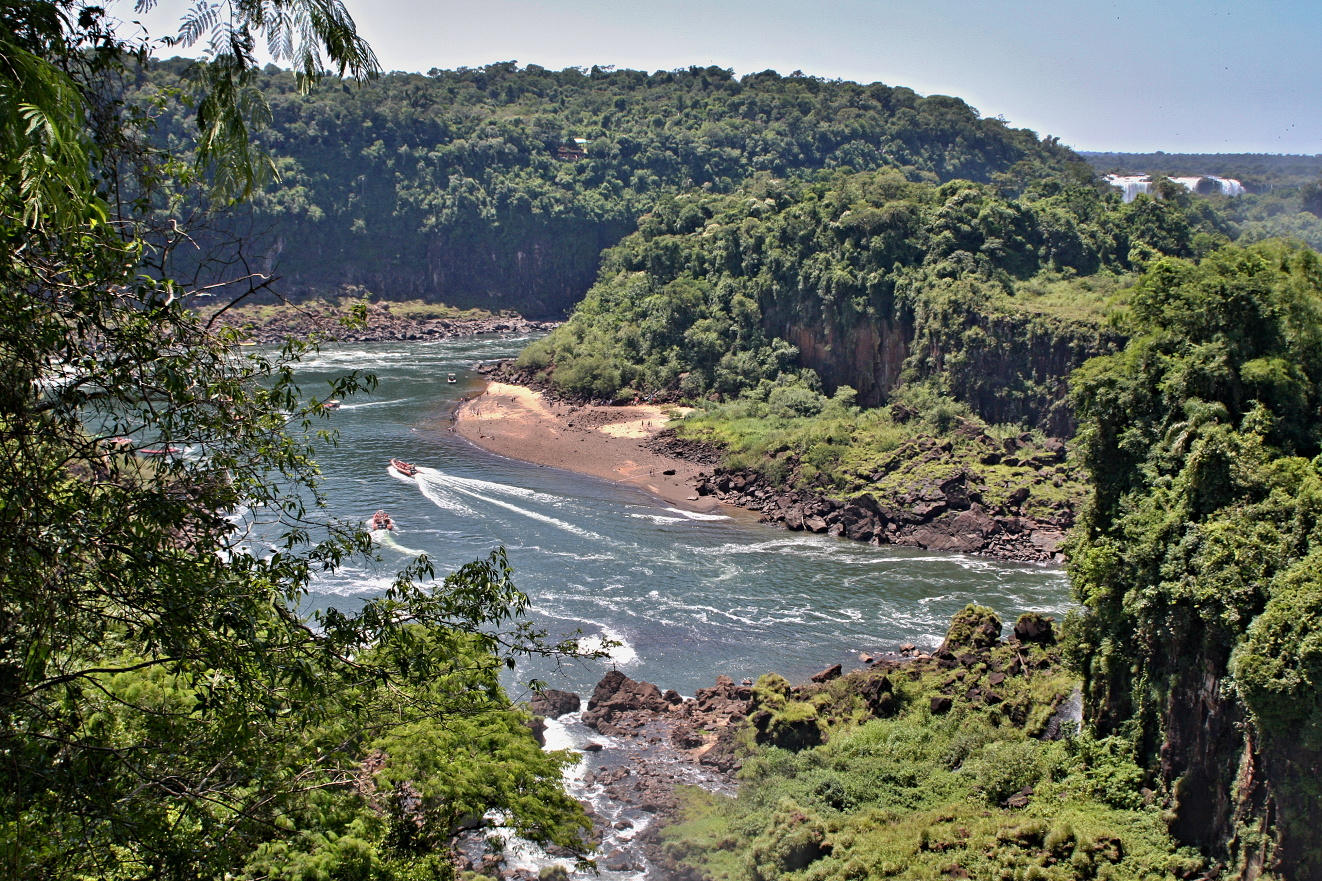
column 686, row 596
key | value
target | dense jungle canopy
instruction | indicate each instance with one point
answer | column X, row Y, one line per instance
column 499, row 186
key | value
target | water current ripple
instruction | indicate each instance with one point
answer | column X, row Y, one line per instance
column 687, row 595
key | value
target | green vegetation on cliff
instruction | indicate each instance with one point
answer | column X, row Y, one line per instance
column 452, row 185
column 1198, row 561
column 166, row 712
column 932, row 769
column 866, row 280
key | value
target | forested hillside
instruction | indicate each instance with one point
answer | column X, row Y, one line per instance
column 499, row 186
column 865, row 279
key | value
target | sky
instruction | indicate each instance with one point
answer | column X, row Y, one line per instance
column 1130, row 76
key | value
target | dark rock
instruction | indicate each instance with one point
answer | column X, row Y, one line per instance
column 616, row 694
column 814, row 524
column 927, row 510
column 956, row 492
column 685, row 737
column 538, row 727
column 879, row 694
column 832, row 672
column 673, row 697
column 941, row 705
column 1019, row 496
column 1046, row 540
column 1035, row 628
column 553, row 704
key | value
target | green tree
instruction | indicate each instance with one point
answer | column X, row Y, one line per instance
column 1197, row 557
column 165, row 712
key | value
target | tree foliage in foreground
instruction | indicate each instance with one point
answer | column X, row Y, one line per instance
column 165, row 712
column 1199, row 561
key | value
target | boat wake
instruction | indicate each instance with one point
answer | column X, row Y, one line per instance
column 441, row 489
column 386, row 539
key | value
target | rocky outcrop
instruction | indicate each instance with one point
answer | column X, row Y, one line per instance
column 1032, row 627
column 1011, row 499
column 666, row 443
column 617, row 694
column 553, row 704
column 939, row 517
column 973, row 628
column 382, row 325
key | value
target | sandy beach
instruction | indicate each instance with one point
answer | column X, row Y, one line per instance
column 602, row 441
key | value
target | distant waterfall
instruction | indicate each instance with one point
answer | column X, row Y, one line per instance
column 1204, row 185
column 1228, row 186
column 1131, row 184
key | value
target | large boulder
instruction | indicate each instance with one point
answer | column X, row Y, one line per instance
column 1033, row 627
column 553, row 704
column 973, row 628
column 725, row 699
column 616, row 694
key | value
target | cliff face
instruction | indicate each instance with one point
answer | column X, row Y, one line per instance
column 1243, row 797
column 868, row 358
column 541, row 273
column 1010, row 368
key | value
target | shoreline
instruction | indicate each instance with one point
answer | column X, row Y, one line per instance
column 598, row 440
column 624, row 444
column 382, row 324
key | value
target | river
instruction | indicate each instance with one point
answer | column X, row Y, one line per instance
column 686, row 596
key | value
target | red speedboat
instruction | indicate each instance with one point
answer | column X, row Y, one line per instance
column 405, row 468
column 381, row 520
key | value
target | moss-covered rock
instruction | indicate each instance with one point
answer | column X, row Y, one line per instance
column 973, row 628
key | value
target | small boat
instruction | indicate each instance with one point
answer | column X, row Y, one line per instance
column 381, row 520
column 162, row 452
column 451, row 378
column 406, row 468
column 333, row 404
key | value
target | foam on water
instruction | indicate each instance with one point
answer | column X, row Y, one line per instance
column 386, row 539
column 697, row 515
column 621, row 653
column 367, row 405
column 460, row 487
column 693, row 594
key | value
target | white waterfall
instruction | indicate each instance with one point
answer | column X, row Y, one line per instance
column 1133, row 184
column 1130, row 184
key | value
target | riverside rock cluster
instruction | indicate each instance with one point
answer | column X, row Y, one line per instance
column 654, row 739
column 954, row 511
column 936, row 516
column 382, row 325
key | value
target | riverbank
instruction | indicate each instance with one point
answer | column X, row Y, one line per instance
column 383, row 322
column 634, row 444
column 654, row 759
column 603, row 441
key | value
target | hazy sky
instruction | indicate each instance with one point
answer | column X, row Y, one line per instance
column 1174, row 75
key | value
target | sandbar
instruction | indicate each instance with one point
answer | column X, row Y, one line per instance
column 603, row 441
